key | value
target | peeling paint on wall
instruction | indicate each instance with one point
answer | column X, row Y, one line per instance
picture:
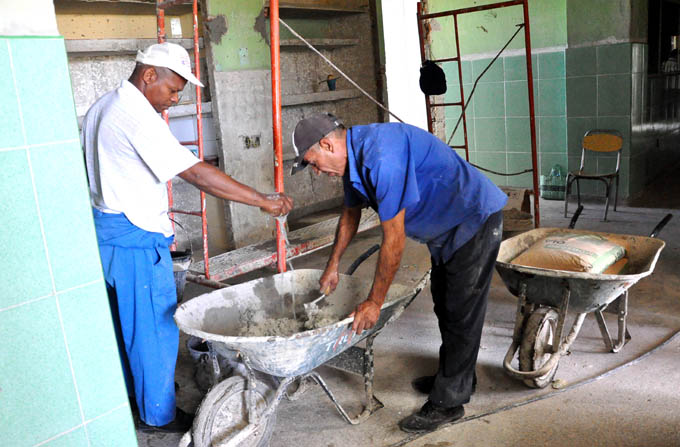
column 217, row 27
column 261, row 26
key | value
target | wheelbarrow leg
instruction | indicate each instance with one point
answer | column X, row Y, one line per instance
column 371, row 403
column 621, row 309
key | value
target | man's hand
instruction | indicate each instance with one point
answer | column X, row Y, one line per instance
column 277, row 204
column 209, row 179
column 365, row 316
column 329, row 280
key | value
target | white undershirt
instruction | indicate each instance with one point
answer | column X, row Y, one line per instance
column 130, row 154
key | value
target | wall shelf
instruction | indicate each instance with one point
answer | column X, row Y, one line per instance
column 305, row 10
column 118, row 6
column 309, row 98
column 319, row 43
column 189, row 109
column 99, row 47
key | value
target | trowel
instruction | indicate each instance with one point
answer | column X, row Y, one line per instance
column 311, row 308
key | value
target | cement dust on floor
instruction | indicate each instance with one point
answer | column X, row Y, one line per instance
column 635, row 406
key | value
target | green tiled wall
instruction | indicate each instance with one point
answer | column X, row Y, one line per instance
column 499, row 136
column 60, row 373
column 599, row 96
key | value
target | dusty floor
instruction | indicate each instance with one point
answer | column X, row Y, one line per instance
column 635, row 405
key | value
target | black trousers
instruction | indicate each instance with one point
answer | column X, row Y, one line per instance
column 460, row 289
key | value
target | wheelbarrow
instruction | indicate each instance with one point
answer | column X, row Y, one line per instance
column 546, row 295
column 240, row 411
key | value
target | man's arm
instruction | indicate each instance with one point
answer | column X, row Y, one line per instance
column 208, row 178
column 394, row 237
column 345, row 231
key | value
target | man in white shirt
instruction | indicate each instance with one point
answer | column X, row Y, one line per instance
column 130, row 155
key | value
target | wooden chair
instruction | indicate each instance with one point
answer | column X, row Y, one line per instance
column 598, row 141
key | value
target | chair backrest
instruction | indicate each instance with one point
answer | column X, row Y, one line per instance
column 602, row 140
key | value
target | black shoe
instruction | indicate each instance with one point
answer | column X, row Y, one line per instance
column 423, row 384
column 181, row 424
column 430, row 417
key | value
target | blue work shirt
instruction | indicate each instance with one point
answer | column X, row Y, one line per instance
column 395, row 166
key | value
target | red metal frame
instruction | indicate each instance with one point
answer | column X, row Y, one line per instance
column 160, row 15
column 276, row 122
column 530, row 78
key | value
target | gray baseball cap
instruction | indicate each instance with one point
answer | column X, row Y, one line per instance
column 308, row 132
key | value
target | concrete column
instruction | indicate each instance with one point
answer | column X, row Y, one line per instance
column 239, row 69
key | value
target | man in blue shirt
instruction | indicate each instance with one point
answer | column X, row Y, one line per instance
column 422, row 189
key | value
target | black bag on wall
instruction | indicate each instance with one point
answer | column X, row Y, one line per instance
column 432, row 79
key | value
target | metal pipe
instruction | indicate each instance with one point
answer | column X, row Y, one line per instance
column 421, row 37
column 160, row 33
column 454, row 12
column 444, row 104
column 274, row 39
column 532, row 115
column 446, row 59
column 460, row 86
column 199, row 135
column 190, row 213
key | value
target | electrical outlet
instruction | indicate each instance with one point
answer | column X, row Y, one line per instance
column 250, row 141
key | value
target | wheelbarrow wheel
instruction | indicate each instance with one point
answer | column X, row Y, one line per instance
column 536, row 347
column 224, row 412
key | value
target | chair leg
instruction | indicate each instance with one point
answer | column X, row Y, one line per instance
column 566, row 193
column 578, row 191
column 606, row 203
column 616, row 196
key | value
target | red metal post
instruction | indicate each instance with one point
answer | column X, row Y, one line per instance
column 532, row 115
column 421, row 37
column 199, row 133
column 274, row 40
column 160, row 31
column 462, row 94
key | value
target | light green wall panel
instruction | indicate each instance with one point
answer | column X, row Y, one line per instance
column 488, row 31
column 241, row 47
column 590, row 21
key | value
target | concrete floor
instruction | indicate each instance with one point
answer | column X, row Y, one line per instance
column 634, row 406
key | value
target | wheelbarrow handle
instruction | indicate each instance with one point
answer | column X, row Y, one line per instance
column 355, row 265
column 659, row 227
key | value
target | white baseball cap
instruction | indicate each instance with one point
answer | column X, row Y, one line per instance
column 169, row 55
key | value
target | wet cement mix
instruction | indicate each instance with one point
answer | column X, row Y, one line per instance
column 257, row 326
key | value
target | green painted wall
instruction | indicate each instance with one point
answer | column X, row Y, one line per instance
column 242, row 47
column 487, row 31
column 245, row 44
column 609, row 22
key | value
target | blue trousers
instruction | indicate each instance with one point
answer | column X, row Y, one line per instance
column 138, row 271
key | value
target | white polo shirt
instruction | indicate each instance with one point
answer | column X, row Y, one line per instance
column 130, row 154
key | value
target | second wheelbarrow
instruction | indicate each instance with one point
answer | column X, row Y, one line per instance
column 546, row 295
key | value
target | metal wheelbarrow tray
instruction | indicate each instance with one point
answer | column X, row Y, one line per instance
column 219, row 317
column 546, row 295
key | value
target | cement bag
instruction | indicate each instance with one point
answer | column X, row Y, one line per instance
column 572, row 252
